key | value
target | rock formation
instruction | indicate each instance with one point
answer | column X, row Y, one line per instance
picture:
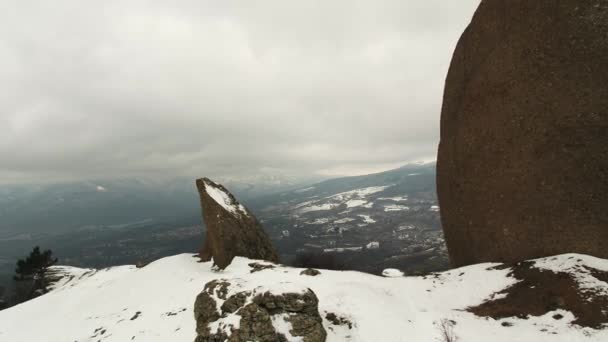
column 222, row 315
column 231, row 229
column 522, row 168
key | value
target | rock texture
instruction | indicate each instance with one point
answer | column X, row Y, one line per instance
column 522, row 169
column 264, row 317
column 231, row 229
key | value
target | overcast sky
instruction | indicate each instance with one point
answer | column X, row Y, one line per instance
column 94, row 89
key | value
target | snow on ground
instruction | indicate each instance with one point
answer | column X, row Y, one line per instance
column 395, row 207
column 373, row 245
column 353, row 198
column 304, row 190
column 355, row 203
column 434, row 208
column 359, row 193
column 392, row 273
column 325, row 206
column 342, row 249
column 367, row 219
column 224, row 200
column 396, row 198
column 344, row 220
column 572, row 264
column 319, row 221
column 155, row 303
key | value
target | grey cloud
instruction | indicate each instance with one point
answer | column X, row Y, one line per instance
column 221, row 88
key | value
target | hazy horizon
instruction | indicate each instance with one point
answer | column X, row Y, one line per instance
column 119, row 90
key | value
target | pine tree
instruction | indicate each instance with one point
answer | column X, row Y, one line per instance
column 29, row 274
column 34, row 265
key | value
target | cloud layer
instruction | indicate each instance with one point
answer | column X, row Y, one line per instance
column 221, row 88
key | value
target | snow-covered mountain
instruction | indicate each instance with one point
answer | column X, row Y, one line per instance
column 155, row 303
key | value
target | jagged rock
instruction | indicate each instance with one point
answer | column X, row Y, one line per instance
column 522, row 168
column 232, row 230
column 310, row 272
column 264, row 317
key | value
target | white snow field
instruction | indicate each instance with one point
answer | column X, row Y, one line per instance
column 155, row 303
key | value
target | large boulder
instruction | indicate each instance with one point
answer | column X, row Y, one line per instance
column 522, row 169
column 232, row 230
column 222, row 314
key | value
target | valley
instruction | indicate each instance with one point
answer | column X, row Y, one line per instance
column 365, row 223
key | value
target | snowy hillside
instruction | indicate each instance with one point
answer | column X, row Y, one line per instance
column 155, row 303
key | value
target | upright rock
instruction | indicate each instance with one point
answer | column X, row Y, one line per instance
column 522, row 169
column 231, row 229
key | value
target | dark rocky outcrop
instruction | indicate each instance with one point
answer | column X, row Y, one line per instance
column 310, row 272
column 539, row 291
column 258, row 315
column 338, row 320
column 522, row 169
column 232, row 230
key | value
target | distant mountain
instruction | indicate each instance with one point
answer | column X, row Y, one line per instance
column 408, row 178
column 59, row 208
column 65, row 207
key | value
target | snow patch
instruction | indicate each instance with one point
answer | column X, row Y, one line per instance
column 355, row 203
column 343, row 249
column 344, row 220
column 373, row 245
column 325, row 206
column 223, row 199
column 395, row 207
column 573, row 264
column 367, row 219
column 363, row 192
column 319, row 221
column 396, row 198
column 392, row 273
column 282, row 326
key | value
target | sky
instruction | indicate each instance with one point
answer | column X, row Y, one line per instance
column 221, row 88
